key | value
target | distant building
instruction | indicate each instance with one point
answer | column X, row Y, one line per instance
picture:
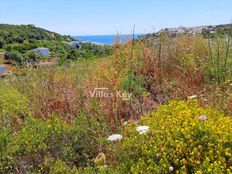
column 75, row 44
column 42, row 51
column 2, row 54
column 2, row 70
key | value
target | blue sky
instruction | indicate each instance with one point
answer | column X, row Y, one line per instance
column 98, row 17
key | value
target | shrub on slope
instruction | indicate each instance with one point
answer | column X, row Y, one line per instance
column 182, row 138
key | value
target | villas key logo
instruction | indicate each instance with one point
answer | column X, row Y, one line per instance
column 104, row 93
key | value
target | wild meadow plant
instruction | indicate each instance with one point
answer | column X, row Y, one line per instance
column 51, row 123
column 219, row 64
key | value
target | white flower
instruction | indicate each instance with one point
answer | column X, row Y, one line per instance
column 142, row 129
column 192, row 97
column 203, row 118
column 124, row 123
column 171, row 169
column 115, row 137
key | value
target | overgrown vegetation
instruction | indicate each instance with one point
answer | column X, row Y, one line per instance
column 50, row 122
column 183, row 138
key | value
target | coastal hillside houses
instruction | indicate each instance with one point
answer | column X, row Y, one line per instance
column 188, row 30
column 42, row 51
column 75, row 44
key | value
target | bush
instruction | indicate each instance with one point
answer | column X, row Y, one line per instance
column 182, row 138
column 49, row 145
column 13, row 106
column 7, row 157
column 60, row 167
column 100, row 170
column 15, row 56
column 31, row 55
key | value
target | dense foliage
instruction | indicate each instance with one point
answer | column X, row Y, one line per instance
column 19, row 40
column 30, row 144
column 20, row 33
column 38, row 142
column 183, row 137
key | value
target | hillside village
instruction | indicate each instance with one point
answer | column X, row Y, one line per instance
column 31, row 46
column 192, row 30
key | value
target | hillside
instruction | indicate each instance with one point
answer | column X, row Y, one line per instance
column 18, row 41
column 20, row 33
column 205, row 30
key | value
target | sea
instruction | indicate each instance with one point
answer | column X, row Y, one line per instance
column 106, row 39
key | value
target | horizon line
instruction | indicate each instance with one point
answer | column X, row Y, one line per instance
column 105, row 35
column 118, row 33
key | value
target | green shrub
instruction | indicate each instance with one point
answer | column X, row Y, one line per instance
column 81, row 142
column 68, row 145
column 101, row 170
column 13, row 105
column 14, row 56
column 133, row 83
column 31, row 55
column 7, row 157
column 60, row 167
column 182, row 138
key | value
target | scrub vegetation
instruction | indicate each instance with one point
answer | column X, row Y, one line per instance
column 178, row 119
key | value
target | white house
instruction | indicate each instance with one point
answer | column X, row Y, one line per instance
column 2, row 70
column 2, row 54
column 42, row 51
column 75, row 44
